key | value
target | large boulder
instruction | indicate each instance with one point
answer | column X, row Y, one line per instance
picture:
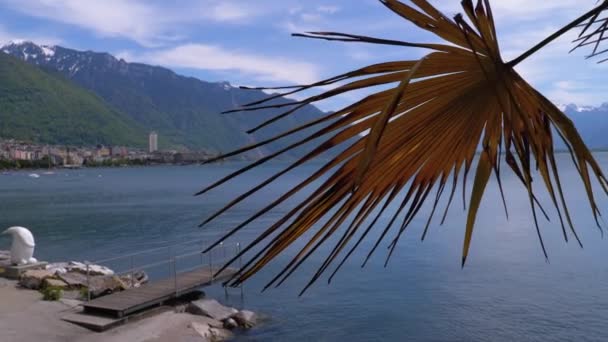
column 246, row 319
column 230, row 323
column 57, row 267
column 210, row 308
column 78, row 280
column 104, row 285
column 73, row 279
column 55, row 283
column 209, row 333
column 136, row 279
column 75, row 266
column 32, row 279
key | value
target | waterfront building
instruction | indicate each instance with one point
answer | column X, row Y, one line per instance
column 153, row 142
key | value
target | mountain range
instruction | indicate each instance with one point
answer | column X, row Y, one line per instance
column 53, row 94
column 185, row 111
column 591, row 122
column 46, row 108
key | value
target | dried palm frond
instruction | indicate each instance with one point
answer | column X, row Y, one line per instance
column 421, row 134
column 594, row 31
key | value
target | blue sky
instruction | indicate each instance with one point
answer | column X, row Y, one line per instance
column 249, row 42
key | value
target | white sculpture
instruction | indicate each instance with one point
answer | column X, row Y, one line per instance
column 22, row 248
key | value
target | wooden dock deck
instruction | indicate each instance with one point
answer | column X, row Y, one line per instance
column 155, row 293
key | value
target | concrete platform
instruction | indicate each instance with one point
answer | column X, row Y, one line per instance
column 102, row 323
column 14, row 272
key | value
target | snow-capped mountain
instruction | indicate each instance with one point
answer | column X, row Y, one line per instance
column 591, row 122
column 65, row 60
column 29, row 50
column 571, row 108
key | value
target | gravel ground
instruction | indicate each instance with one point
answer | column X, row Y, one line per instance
column 24, row 317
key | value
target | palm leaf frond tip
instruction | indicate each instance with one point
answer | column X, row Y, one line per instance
column 423, row 135
column 594, row 32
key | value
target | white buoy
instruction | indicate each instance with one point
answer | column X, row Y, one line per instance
column 22, row 248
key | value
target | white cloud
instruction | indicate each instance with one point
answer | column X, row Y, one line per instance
column 226, row 11
column 359, row 54
column 110, row 18
column 532, row 10
column 302, row 19
column 295, row 10
column 567, row 91
column 147, row 23
column 215, row 58
column 7, row 36
column 519, row 10
column 310, row 17
column 328, row 9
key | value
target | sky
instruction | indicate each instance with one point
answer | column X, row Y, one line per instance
column 250, row 43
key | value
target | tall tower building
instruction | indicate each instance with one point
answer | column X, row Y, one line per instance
column 153, row 142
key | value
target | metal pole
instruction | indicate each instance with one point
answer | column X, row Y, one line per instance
column 202, row 249
column 211, row 263
column 169, row 260
column 175, row 275
column 88, row 283
column 238, row 250
column 132, row 276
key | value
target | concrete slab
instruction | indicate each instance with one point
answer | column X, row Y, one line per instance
column 14, row 272
column 95, row 323
column 100, row 323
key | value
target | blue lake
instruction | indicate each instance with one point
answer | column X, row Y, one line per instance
column 506, row 292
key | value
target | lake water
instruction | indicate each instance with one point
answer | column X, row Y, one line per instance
column 506, row 292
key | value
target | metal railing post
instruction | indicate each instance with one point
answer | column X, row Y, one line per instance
column 175, row 275
column 223, row 248
column 238, row 251
column 169, row 260
column 88, row 283
column 132, row 267
column 202, row 249
column 211, row 263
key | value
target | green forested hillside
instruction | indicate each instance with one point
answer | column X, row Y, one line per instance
column 45, row 107
column 185, row 111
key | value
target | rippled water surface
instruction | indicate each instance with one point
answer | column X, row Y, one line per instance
column 506, row 292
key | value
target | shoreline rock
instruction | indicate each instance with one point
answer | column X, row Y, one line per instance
column 73, row 276
column 104, row 285
column 80, row 267
column 210, row 308
column 210, row 333
column 231, row 317
column 230, row 323
column 246, row 319
column 56, row 283
column 33, row 279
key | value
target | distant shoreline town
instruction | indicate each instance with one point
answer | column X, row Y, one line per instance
column 16, row 154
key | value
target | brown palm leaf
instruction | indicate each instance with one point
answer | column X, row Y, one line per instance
column 593, row 32
column 424, row 134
